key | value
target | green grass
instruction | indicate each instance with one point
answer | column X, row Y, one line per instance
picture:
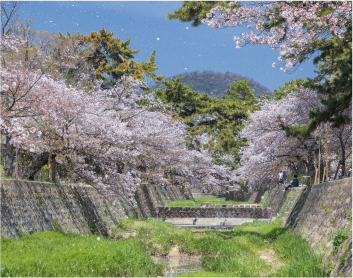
column 251, row 250
column 213, row 200
column 53, row 254
column 209, row 200
column 182, row 203
column 232, row 253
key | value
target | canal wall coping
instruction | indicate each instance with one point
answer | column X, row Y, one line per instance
column 214, row 212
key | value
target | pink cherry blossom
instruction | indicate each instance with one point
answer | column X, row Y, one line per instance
column 303, row 24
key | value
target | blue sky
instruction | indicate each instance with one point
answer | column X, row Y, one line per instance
column 179, row 46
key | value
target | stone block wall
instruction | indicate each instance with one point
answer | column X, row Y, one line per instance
column 239, row 196
column 288, row 202
column 264, row 197
column 319, row 215
column 244, row 196
column 274, row 198
column 36, row 207
column 280, row 201
column 216, row 212
column 253, row 196
column 150, row 197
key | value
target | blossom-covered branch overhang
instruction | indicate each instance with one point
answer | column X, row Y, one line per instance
column 291, row 27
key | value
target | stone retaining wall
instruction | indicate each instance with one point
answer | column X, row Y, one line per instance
column 244, row 196
column 288, row 202
column 319, row 213
column 32, row 207
column 209, row 212
column 274, row 198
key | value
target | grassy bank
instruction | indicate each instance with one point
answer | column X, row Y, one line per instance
column 208, row 200
column 254, row 249
column 53, row 254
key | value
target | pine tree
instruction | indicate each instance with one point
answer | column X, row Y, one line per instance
column 220, row 119
column 178, row 95
column 113, row 59
column 195, row 11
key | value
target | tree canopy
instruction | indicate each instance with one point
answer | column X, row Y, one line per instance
column 112, row 59
column 195, row 11
column 298, row 30
column 213, row 123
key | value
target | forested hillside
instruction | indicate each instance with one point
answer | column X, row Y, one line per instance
column 215, row 83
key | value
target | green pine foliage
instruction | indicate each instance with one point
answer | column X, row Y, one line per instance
column 230, row 111
column 334, row 80
column 195, row 11
column 214, row 83
column 289, row 87
column 112, row 59
column 177, row 94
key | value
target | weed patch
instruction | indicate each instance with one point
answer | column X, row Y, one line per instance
column 54, row 254
column 338, row 239
column 251, row 250
column 349, row 215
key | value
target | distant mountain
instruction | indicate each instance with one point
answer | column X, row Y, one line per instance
column 215, row 83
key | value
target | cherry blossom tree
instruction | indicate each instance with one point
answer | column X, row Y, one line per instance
column 134, row 137
column 269, row 149
column 289, row 27
column 26, row 81
column 101, row 137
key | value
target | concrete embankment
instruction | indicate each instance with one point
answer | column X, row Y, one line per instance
column 32, row 207
column 322, row 214
column 214, row 212
column 210, row 223
column 226, row 217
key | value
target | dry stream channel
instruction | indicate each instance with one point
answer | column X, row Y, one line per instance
column 179, row 263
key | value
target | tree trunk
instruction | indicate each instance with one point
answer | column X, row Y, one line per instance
column 52, row 167
column 36, row 164
column 9, row 156
column 338, row 166
column 343, row 158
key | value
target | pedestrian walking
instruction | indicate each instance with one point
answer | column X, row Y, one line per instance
column 350, row 172
column 280, row 175
column 284, row 177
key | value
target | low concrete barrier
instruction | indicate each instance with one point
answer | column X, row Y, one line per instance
column 217, row 212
